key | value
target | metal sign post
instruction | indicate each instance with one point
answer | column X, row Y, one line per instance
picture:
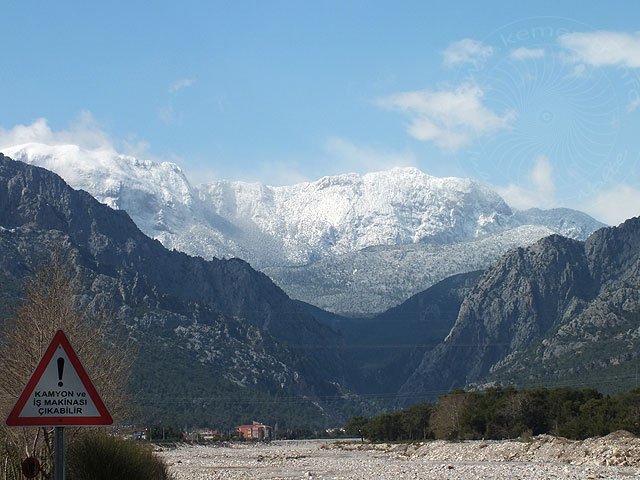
column 58, row 445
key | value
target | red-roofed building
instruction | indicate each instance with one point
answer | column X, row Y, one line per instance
column 255, row 431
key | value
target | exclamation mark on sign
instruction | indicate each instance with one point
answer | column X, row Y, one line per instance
column 60, row 370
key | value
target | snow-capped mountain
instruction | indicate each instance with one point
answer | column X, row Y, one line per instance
column 157, row 196
column 346, row 213
column 306, row 223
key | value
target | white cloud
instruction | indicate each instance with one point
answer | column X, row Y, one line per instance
column 603, row 48
column 466, row 50
column 615, row 205
column 540, row 191
column 85, row 132
column 524, row 53
column 451, row 119
column 361, row 159
column 541, row 176
column 181, row 84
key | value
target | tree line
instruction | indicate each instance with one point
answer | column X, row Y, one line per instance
column 504, row 412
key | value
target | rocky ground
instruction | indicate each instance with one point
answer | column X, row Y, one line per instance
column 614, row 457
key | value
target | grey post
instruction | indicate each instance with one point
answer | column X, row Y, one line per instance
column 59, row 454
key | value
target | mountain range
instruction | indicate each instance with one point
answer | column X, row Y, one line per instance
column 219, row 341
column 215, row 336
column 352, row 244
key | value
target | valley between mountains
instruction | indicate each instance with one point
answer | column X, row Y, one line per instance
column 349, row 295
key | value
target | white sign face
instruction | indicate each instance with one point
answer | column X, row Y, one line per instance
column 60, row 392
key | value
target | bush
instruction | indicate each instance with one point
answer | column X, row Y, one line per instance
column 9, row 459
column 97, row 456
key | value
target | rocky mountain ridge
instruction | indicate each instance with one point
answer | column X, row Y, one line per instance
column 370, row 281
column 557, row 312
column 219, row 317
column 318, row 228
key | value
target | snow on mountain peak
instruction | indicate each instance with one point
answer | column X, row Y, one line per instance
column 90, row 168
column 288, row 225
column 343, row 213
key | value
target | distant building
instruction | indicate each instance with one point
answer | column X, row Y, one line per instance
column 255, row 431
column 209, row 435
column 202, row 435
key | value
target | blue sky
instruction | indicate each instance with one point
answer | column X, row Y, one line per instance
column 541, row 101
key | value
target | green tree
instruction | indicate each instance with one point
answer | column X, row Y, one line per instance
column 630, row 411
column 416, row 422
column 387, row 426
column 356, row 426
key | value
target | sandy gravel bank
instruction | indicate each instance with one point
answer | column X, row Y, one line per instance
column 615, row 457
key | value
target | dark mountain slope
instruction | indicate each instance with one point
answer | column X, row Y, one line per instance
column 381, row 352
column 222, row 313
column 598, row 344
column 111, row 243
column 555, row 294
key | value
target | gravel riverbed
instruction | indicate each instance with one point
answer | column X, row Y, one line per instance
column 615, row 457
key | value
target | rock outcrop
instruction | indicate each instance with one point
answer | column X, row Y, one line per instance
column 556, row 302
column 222, row 315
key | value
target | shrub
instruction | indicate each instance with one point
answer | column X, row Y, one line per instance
column 9, row 459
column 97, row 456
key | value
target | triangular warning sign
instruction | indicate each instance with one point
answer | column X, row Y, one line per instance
column 59, row 392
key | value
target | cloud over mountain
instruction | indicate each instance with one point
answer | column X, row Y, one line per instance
column 452, row 118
